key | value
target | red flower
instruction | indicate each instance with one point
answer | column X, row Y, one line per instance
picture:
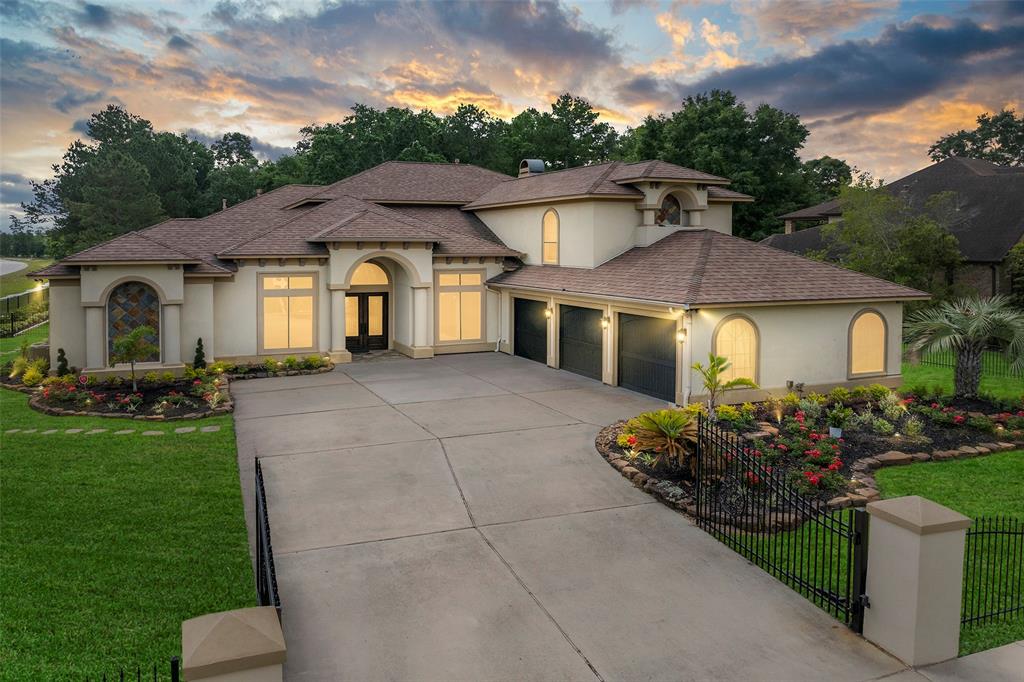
column 783, row 447
column 958, row 419
column 936, row 406
column 197, row 382
column 631, row 440
column 836, row 465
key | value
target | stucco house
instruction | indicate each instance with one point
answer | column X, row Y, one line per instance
column 624, row 272
column 989, row 219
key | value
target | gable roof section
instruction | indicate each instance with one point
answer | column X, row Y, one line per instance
column 602, row 180
column 131, row 247
column 661, row 170
column 417, row 182
column 702, row 268
column 463, row 231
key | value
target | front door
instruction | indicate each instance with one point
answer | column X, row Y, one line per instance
column 366, row 322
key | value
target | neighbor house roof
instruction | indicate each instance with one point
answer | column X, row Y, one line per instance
column 703, row 267
column 988, row 199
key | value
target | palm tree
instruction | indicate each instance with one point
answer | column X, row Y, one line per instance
column 966, row 327
column 712, row 376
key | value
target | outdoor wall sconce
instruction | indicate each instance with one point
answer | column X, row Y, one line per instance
column 604, row 322
column 548, row 313
column 681, row 335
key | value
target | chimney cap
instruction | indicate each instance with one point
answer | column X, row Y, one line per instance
column 530, row 167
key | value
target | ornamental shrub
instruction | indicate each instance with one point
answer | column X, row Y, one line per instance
column 32, row 377
column 312, row 362
column 271, row 365
column 891, row 406
column 667, row 433
column 810, row 408
column 982, row 423
column 878, row 391
column 199, row 358
column 883, row 427
column 913, row 427
column 839, row 394
column 62, row 363
column 860, row 393
column 18, row 367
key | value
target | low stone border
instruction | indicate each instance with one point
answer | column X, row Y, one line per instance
column 286, row 373
column 864, row 488
column 36, row 403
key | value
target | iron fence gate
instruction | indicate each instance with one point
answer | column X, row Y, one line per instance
column 751, row 509
column 266, row 574
column 993, row 571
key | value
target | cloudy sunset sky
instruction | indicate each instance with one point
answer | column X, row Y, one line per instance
column 875, row 80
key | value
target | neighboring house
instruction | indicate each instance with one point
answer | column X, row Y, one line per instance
column 624, row 272
column 989, row 203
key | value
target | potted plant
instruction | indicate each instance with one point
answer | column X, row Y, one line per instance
column 837, row 418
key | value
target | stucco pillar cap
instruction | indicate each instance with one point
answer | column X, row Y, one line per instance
column 231, row 641
column 919, row 515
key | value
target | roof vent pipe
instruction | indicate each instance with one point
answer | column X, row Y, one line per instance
column 223, row 204
column 259, row 191
column 529, row 167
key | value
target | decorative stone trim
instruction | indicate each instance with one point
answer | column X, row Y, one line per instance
column 864, row 488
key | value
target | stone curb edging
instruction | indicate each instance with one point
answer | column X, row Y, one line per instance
column 864, row 488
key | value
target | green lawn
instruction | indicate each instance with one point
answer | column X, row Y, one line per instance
column 109, row 542
column 10, row 347
column 928, row 375
column 16, row 282
column 984, row 486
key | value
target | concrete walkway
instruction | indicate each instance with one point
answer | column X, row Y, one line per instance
column 449, row 519
column 1003, row 664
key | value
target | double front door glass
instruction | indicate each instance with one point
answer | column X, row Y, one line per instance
column 366, row 322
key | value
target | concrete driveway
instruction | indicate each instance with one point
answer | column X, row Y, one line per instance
column 449, row 519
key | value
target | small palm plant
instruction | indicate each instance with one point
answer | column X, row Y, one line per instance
column 134, row 347
column 712, row 376
column 967, row 326
column 666, row 433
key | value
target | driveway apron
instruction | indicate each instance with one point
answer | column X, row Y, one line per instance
column 449, row 519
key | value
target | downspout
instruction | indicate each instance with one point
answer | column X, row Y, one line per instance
column 687, row 387
column 497, row 344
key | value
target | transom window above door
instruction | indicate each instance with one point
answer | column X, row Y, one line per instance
column 369, row 274
column 287, row 312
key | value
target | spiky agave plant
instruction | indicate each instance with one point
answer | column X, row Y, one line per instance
column 666, row 433
column 967, row 326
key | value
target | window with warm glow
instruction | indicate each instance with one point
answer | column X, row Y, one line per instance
column 369, row 274
column 867, row 344
column 287, row 303
column 550, row 238
column 460, row 306
column 736, row 341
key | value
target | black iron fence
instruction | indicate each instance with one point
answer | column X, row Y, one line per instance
column 170, row 670
column 993, row 362
column 266, row 575
column 13, row 324
column 31, row 298
column 751, row 509
column 993, row 571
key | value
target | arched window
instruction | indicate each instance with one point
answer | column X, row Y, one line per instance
column 867, row 343
column 736, row 341
column 671, row 212
column 550, row 238
column 131, row 305
column 369, row 273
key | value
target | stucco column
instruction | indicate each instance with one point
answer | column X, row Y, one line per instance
column 421, row 316
column 230, row 646
column 170, row 335
column 338, row 351
column 915, row 578
column 695, row 219
column 95, row 338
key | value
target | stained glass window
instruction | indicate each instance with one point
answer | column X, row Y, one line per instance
column 671, row 212
column 131, row 305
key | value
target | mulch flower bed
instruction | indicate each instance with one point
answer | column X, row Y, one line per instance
column 789, row 441
column 163, row 400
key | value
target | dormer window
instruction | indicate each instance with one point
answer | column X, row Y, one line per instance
column 549, row 247
column 671, row 212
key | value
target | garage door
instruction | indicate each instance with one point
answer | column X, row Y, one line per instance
column 531, row 330
column 579, row 340
column 647, row 355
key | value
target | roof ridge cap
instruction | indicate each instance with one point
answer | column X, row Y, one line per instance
column 168, row 246
column 334, row 226
column 264, row 233
column 611, row 166
column 697, row 278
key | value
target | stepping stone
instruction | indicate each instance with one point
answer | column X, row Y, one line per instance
column 89, row 433
column 73, row 430
column 210, row 429
column 124, row 432
column 152, row 433
column 47, row 432
column 12, row 430
column 185, row 429
column 29, row 431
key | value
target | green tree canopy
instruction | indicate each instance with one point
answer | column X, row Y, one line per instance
column 998, row 138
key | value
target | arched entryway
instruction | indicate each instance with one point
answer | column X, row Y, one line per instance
column 368, row 308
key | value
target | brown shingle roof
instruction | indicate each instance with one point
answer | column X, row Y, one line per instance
column 660, row 170
column 816, row 212
column 57, row 269
column 703, row 267
column 412, row 181
column 715, row 192
column 133, row 246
